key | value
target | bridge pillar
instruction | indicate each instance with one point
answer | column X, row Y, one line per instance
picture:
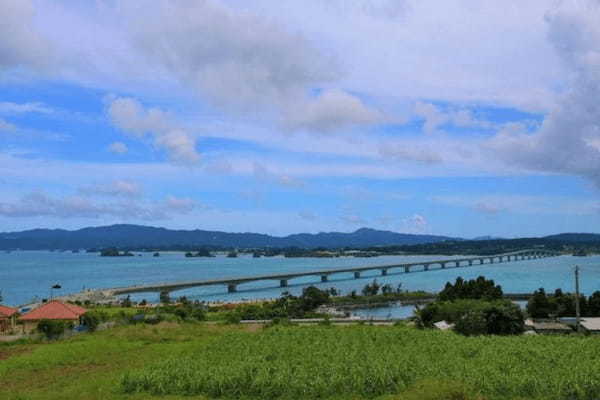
column 491, row 260
column 356, row 274
column 407, row 269
column 443, row 265
column 383, row 272
column 324, row 278
column 470, row 262
column 231, row 288
column 426, row 267
column 457, row 264
column 283, row 283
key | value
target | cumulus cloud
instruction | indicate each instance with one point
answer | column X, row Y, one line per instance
column 20, row 44
column 6, row 126
column 237, row 59
column 308, row 215
column 184, row 205
column 41, row 204
column 262, row 173
column 415, row 224
column 434, row 117
column 130, row 116
column 7, row 107
column 116, row 188
column 332, row 110
column 564, row 143
column 521, row 204
column 118, row 148
column 353, row 219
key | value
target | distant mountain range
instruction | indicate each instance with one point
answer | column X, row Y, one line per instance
column 137, row 236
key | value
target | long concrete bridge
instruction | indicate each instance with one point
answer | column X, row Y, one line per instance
column 232, row 283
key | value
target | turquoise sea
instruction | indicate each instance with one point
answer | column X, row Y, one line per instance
column 25, row 275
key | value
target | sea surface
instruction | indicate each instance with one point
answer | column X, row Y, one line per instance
column 28, row 275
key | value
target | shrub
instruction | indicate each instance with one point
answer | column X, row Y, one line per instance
column 479, row 288
column 501, row 316
column 52, row 329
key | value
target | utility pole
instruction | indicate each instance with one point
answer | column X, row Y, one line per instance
column 577, row 310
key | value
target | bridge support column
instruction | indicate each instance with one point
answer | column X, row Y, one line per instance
column 491, row 260
column 283, row 283
column 324, row 278
column 231, row 288
column 357, row 275
column 470, row 263
column 426, row 267
column 383, row 272
column 457, row 264
column 407, row 269
column 480, row 261
column 443, row 265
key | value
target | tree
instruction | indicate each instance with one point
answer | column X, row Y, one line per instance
column 594, row 304
column 539, row 305
column 126, row 301
column 91, row 320
column 479, row 288
column 164, row 297
column 472, row 323
column 387, row 289
column 52, row 329
column 312, row 297
column 371, row 289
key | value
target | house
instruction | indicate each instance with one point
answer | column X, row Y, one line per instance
column 53, row 310
column 551, row 327
column 443, row 325
column 8, row 319
column 591, row 325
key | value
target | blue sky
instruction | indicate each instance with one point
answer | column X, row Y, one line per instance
column 285, row 117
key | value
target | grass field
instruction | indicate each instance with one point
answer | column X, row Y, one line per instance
column 185, row 361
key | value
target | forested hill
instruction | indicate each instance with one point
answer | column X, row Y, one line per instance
column 136, row 236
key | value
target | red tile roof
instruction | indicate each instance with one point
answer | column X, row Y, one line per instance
column 6, row 312
column 54, row 310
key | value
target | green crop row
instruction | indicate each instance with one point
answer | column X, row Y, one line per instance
column 321, row 362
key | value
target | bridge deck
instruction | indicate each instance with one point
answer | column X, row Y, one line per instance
column 172, row 286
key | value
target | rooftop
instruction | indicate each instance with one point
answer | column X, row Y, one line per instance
column 591, row 324
column 6, row 312
column 54, row 310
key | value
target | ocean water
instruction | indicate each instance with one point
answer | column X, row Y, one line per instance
column 26, row 275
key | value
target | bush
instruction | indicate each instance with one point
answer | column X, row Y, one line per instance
column 472, row 323
column 501, row 317
column 51, row 328
column 92, row 319
column 479, row 288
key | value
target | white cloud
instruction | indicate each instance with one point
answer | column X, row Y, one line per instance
column 118, row 148
column 41, row 204
column 416, row 224
column 237, row 59
column 262, row 173
column 118, row 188
column 332, row 110
column 183, row 205
column 308, row 215
column 130, row 116
column 521, row 204
column 562, row 144
column 20, row 44
column 353, row 219
column 6, row 126
column 434, row 117
column 7, row 107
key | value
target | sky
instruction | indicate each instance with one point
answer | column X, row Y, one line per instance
column 462, row 118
